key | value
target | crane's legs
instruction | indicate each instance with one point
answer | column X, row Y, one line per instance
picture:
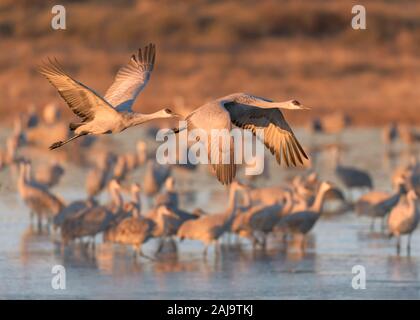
column 39, row 223
column 409, row 244
column 383, row 224
column 138, row 252
column 58, row 144
column 160, row 245
column 31, row 217
column 206, row 246
column 372, row 224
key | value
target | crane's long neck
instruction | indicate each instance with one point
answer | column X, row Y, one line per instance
column 288, row 204
column 262, row 103
column 11, row 151
column 27, row 176
column 247, row 199
column 269, row 105
column 141, row 155
column 136, row 118
column 117, row 200
column 319, row 201
column 412, row 209
column 136, row 198
column 22, row 179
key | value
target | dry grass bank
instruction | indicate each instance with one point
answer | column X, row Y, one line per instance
column 280, row 49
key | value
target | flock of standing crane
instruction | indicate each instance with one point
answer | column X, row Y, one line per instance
column 255, row 213
column 288, row 210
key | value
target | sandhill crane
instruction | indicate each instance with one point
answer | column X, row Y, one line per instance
column 128, row 209
column 49, row 174
column 137, row 229
column 37, row 197
column 99, row 176
column 111, row 113
column 18, row 133
column 378, row 204
column 170, row 196
column 165, row 225
column 260, row 220
column 93, row 220
column 277, row 194
column 390, row 133
column 169, row 199
column 251, row 113
column 209, row 228
column 134, row 229
column 414, row 181
column 351, row 177
column 31, row 119
column 120, row 168
column 404, row 219
column 268, row 195
column 133, row 160
column 154, row 177
column 301, row 222
column 412, row 175
column 51, row 114
column 408, row 135
column 263, row 219
column 71, row 210
column 404, row 172
column 9, row 156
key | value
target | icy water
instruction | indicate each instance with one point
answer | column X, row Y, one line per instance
column 324, row 271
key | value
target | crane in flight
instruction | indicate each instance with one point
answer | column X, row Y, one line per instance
column 260, row 115
column 113, row 112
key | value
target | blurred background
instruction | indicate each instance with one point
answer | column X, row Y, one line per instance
column 279, row 49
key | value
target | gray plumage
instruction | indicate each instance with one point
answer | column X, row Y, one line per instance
column 155, row 177
column 111, row 113
column 376, row 204
column 92, row 220
column 350, row 176
column 251, row 113
column 404, row 219
column 73, row 209
column 209, row 228
column 37, row 197
column 49, row 174
column 302, row 222
column 353, row 177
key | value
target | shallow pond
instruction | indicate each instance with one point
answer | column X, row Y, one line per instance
column 335, row 246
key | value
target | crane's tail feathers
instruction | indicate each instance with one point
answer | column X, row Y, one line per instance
column 58, row 144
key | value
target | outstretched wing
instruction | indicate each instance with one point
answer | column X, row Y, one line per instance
column 277, row 134
column 131, row 79
column 82, row 100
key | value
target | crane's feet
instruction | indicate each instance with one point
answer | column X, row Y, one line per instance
column 56, row 145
